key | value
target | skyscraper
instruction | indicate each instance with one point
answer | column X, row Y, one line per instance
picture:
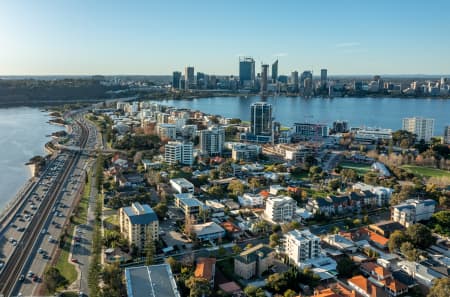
column 423, row 128
column 264, row 73
column 201, row 80
column 189, row 77
column 261, row 118
column 294, row 81
column 323, row 77
column 176, row 80
column 275, row 71
column 246, row 69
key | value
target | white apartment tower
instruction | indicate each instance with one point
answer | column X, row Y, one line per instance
column 300, row 246
column 179, row 153
column 423, row 128
column 212, row 140
column 280, row 208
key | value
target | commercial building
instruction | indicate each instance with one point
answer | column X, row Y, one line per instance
column 369, row 135
column 138, row 224
column 264, row 74
column 179, row 153
column 151, row 281
column 261, row 118
column 176, row 80
column 301, row 246
column 412, row 211
column 323, row 77
column 182, row 185
column 212, row 141
column 245, row 152
column 422, row 127
column 189, row 77
column 280, row 208
column 294, row 81
column 309, row 130
column 188, row 204
column 274, row 71
column 246, row 70
column 254, row 261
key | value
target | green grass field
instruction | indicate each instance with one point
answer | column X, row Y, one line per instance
column 360, row 169
column 425, row 171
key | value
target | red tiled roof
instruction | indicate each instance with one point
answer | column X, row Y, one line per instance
column 230, row 227
column 205, row 268
column 230, row 287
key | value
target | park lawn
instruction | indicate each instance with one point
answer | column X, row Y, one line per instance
column 360, row 169
column 81, row 214
column 425, row 171
column 301, row 176
column 66, row 268
column 113, row 220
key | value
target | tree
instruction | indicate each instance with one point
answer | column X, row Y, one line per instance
column 345, row 267
column 274, row 240
column 370, row 178
column 199, row 287
column 149, row 251
column 440, row 288
column 161, row 209
column 334, row 184
column 254, row 183
column 54, row 279
column 236, row 249
column 236, row 187
column 225, row 169
column 276, row 282
column 349, row 175
column 289, row 293
column 215, row 191
column 252, row 291
column 441, row 221
column 408, row 250
column 395, row 240
column 419, row 235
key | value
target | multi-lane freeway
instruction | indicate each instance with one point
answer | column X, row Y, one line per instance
column 29, row 237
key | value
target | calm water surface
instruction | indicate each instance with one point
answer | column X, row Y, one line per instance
column 372, row 112
column 23, row 133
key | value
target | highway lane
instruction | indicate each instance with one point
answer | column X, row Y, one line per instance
column 24, row 255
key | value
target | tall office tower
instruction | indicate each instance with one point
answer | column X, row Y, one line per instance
column 264, row 72
column 423, row 128
column 275, row 71
column 201, row 80
column 294, row 80
column 261, row 118
column 246, row 70
column 212, row 140
column 189, row 79
column 305, row 75
column 323, row 77
column 176, row 80
column 447, row 134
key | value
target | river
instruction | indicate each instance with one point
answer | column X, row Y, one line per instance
column 23, row 133
column 370, row 112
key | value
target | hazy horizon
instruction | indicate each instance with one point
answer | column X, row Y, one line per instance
column 50, row 38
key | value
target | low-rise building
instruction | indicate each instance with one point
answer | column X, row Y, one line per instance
column 341, row 243
column 138, row 224
column 280, row 208
column 182, row 185
column 412, row 211
column 251, row 200
column 254, row 261
column 208, row 231
column 188, row 204
column 206, row 269
column 151, row 281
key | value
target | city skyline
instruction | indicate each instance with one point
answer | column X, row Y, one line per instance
column 81, row 38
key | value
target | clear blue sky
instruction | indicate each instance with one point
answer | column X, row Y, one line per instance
column 157, row 37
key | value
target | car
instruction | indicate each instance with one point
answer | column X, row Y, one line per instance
column 36, row 278
column 41, row 251
column 30, row 273
column 1, row 265
column 21, row 229
column 74, row 260
column 21, row 278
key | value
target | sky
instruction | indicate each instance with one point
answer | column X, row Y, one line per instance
column 109, row 37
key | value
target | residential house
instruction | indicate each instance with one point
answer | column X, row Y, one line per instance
column 208, row 231
column 206, row 269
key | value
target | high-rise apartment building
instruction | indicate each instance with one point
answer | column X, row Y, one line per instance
column 264, row 73
column 246, row 69
column 275, row 71
column 300, row 246
column 447, row 134
column 189, row 77
column 422, row 127
column 139, row 224
column 212, row 140
column 261, row 118
column 179, row 153
column 176, row 80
